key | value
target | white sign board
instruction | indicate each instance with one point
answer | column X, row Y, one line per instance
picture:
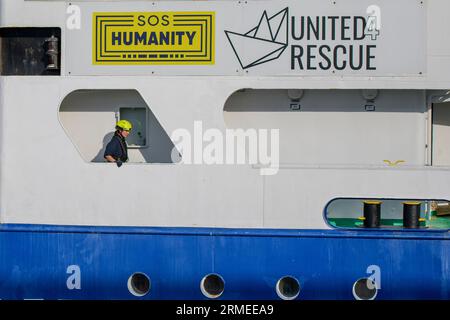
column 267, row 38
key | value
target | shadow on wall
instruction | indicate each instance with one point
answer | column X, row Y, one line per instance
column 441, row 114
column 321, row 100
column 89, row 116
column 106, row 139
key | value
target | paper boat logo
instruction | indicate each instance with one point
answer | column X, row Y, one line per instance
column 264, row 43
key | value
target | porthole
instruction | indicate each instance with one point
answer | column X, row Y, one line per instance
column 365, row 289
column 288, row 288
column 139, row 284
column 212, row 286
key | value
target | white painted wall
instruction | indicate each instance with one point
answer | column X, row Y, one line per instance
column 44, row 179
column 21, row 13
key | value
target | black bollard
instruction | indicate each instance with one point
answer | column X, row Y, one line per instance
column 411, row 214
column 372, row 214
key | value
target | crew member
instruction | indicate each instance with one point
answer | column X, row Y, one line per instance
column 117, row 150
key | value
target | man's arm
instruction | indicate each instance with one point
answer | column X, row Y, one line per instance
column 110, row 158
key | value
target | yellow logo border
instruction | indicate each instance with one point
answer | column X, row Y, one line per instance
column 101, row 56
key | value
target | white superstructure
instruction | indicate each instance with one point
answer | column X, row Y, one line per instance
column 52, row 127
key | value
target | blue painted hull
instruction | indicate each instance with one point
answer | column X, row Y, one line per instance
column 34, row 261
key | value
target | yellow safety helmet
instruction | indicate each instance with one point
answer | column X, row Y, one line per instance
column 124, row 125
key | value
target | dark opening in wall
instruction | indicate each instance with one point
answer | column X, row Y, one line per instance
column 388, row 214
column 30, row 51
column 89, row 117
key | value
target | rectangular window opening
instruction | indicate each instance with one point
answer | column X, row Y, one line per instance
column 30, row 51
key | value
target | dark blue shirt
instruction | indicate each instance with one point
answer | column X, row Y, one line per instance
column 117, row 148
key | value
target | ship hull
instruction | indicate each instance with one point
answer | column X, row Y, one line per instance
column 37, row 262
